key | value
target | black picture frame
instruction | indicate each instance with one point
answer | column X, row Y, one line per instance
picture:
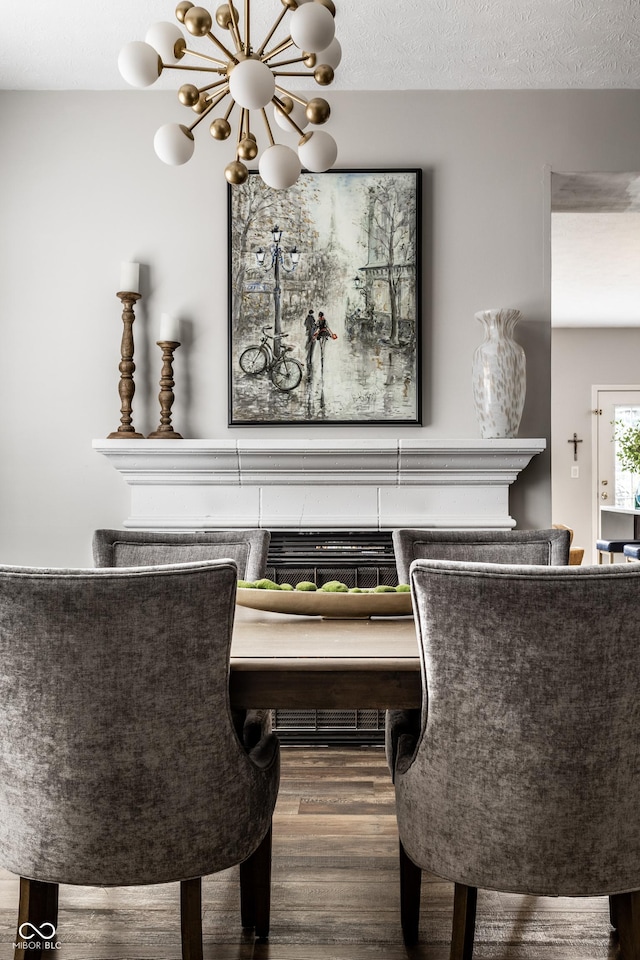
column 344, row 246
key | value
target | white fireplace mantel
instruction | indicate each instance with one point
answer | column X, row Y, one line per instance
column 315, row 484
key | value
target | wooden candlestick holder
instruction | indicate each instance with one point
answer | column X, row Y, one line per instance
column 126, row 387
column 166, row 396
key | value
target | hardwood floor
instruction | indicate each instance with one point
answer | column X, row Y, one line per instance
column 335, row 891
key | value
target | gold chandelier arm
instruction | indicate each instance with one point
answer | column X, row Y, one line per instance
column 279, row 49
column 212, row 86
column 235, row 29
column 221, row 46
column 204, row 113
column 247, row 25
column 285, row 63
column 280, row 104
column 290, row 73
column 266, row 123
column 184, row 66
column 216, row 100
column 247, row 124
column 293, row 96
column 230, row 108
column 204, row 56
column 279, row 20
column 241, row 125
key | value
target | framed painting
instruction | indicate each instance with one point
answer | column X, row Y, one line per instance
column 324, row 299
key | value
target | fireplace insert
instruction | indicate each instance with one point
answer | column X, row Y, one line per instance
column 359, row 558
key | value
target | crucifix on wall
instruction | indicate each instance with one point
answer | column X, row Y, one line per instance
column 574, row 440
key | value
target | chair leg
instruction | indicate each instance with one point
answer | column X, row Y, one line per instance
column 613, row 918
column 626, row 909
column 410, row 884
column 255, row 888
column 37, row 917
column 247, row 895
column 464, row 922
column 191, row 918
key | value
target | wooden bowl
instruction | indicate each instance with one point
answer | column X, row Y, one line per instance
column 318, row 603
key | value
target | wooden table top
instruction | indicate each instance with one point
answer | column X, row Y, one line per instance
column 293, row 662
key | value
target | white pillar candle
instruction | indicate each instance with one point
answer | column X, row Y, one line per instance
column 169, row 328
column 130, row 278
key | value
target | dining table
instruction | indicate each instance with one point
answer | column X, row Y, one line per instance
column 285, row 661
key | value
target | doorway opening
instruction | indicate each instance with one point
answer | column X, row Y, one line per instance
column 595, row 335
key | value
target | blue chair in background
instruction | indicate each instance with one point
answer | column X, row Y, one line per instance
column 612, row 547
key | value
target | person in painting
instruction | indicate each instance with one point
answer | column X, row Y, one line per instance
column 310, row 327
column 322, row 331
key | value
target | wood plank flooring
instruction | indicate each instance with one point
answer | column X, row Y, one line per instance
column 335, row 891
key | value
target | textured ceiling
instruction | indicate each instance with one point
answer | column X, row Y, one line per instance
column 407, row 45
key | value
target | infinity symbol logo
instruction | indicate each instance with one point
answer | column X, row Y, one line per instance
column 36, row 932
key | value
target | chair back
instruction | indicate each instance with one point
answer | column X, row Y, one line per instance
column 137, row 548
column 481, row 546
column 119, row 763
column 526, row 777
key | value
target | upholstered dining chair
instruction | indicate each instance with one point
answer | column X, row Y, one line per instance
column 547, row 546
column 483, row 546
column 136, row 548
column 525, row 774
column 249, row 548
column 119, row 761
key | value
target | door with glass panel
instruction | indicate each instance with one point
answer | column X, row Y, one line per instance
column 614, row 486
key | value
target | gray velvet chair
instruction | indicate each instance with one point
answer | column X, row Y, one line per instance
column 481, row 546
column 525, row 774
column 550, row 546
column 136, row 548
column 249, row 548
column 119, row 761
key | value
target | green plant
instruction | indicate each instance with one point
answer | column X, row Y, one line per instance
column 628, row 440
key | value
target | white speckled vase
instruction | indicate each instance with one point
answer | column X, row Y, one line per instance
column 499, row 375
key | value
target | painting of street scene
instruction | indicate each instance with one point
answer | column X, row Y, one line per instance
column 324, row 297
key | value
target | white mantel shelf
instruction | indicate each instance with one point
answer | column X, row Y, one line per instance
column 310, row 484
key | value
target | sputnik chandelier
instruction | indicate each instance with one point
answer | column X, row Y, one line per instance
column 249, row 78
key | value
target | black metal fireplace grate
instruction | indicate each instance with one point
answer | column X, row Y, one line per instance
column 359, row 558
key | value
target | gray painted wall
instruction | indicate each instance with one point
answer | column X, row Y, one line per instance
column 81, row 190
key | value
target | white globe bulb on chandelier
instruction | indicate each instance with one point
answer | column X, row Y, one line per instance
column 249, row 77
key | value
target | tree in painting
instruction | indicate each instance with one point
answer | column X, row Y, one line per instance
column 391, row 232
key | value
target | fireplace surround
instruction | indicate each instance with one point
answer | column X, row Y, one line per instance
column 314, row 484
